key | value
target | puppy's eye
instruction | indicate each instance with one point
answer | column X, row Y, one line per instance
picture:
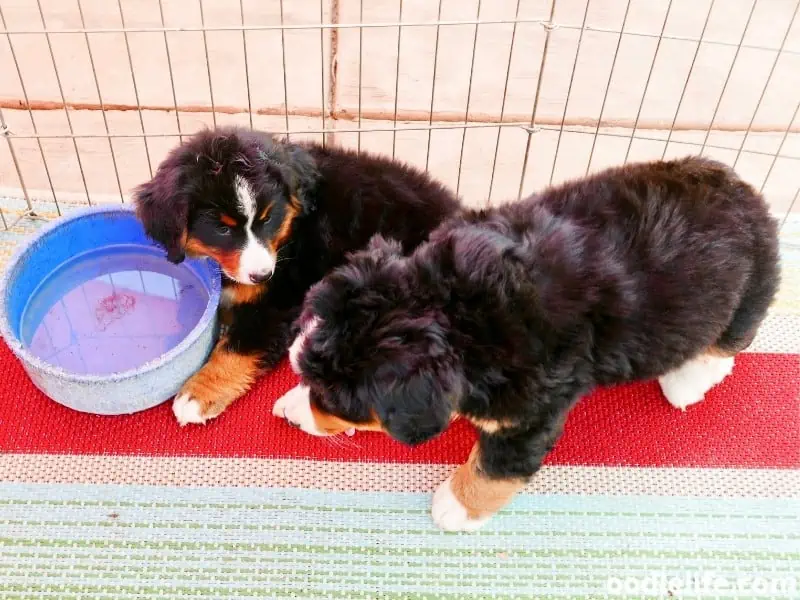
column 225, row 224
column 266, row 214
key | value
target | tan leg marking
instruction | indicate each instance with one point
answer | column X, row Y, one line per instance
column 479, row 494
column 223, row 379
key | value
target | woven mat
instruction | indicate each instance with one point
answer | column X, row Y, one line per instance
column 637, row 499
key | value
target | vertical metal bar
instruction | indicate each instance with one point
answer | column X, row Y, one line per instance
column 322, row 68
column 360, row 57
column 169, row 67
column 4, row 132
column 135, row 88
column 728, row 78
column 780, row 147
column 208, row 65
column 3, row 218
column 30, row 113
column 63, row 100
column 791, row 207
column 548, row 28
column 102, row 104
column 569, row 89
column 469, row 99
column 647, row 82
column 503, row 104
column 608, row 86
column 285, row 86
column 246, row 68
column 688, row 76
column 766, row 85
column 433, row 84
column 397, row 77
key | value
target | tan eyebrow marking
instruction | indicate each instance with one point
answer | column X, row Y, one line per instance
column 227, row 220
column 265, row 213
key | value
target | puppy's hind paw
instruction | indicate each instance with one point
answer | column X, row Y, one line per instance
column 689, row 383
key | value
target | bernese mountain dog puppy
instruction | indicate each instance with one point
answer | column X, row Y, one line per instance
column 276, row 216
column 508, row 315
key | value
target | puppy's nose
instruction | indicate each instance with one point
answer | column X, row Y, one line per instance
column 259, row 277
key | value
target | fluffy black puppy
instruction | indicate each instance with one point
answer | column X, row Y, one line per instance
column 507, row 316
column 276, row 216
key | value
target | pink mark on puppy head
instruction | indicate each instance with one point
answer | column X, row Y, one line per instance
column 112, row 308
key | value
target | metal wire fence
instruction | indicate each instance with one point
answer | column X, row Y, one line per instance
column 495, row 98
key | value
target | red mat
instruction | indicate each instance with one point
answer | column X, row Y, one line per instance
column 751, row 420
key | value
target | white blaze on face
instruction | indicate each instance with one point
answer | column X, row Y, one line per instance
column 256, row 262
column 297, row 344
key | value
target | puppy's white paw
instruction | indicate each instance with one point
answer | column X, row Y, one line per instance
column 449, row 514
column 188, row 410
column 295, row 407
column 297, row 395
column 689, row 383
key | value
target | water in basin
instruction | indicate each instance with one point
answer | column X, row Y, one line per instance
column 112, row 309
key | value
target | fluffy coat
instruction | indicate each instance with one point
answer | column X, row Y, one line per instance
column 508, row 315
column 277, row 216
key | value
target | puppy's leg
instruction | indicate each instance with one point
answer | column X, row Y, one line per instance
column 256, row 340
column 226, row 376
column 689, row 383
column 466, row 499
column 500, row 465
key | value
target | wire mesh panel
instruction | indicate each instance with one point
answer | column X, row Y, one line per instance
column 496, row 98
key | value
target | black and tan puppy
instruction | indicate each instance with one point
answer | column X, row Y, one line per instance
column 507, row 316
column 276, row 216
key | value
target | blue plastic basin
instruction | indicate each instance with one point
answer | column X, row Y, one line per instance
column 100, row 320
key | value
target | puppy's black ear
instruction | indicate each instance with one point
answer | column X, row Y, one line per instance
column 302, row 173
column 164, row 211
column 416, row 408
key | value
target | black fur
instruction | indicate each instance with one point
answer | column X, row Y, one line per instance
column 511, row 314
column 345, row 198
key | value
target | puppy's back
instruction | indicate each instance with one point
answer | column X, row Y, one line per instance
column 653, row 261
column 691, row 250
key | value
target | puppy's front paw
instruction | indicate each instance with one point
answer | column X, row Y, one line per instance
column 192, row 406
column 187, row 410
column 293, row 401
column 295, row 407
column 449, row 514
column 224, row 378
